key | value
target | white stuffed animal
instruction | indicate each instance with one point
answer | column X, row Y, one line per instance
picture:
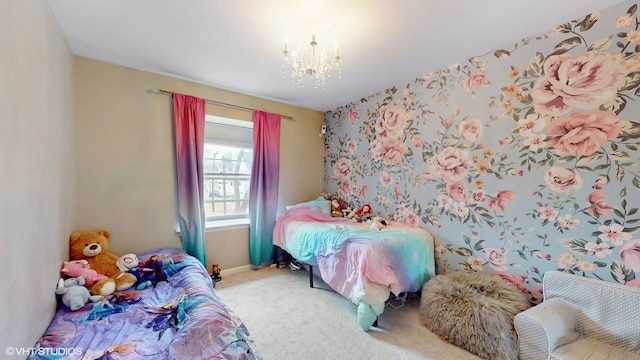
column 74, row 294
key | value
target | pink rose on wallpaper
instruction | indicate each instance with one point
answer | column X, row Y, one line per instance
column 398, row 192
column 634, row 283
column 582, row 133
column 353, row 116
column 345, row 186
column 585, row 81
column 598, row 205
column 630, row 254
column 385, row 179
column 363, row 192
column 342, row 169
column 416, row 141
column 412, row 219
column 470, row 130
column 476, row 80
column 457, row 191
column 391, row 123
column 496, row 258
column 478, row 196
column 500, row 202
column 352, row 147
column 392, row 151
column 562, row 179
column 450, row 164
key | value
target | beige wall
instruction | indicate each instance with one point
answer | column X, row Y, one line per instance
column 125, row 164
column 36, row 155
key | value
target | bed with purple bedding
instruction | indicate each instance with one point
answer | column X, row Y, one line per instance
column 363, row 264
column 180, row 318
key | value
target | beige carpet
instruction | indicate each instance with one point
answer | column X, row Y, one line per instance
column 289, row 320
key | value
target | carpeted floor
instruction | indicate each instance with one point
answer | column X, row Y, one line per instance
column 290, row 320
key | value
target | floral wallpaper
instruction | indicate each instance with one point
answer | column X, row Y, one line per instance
column 519, row 161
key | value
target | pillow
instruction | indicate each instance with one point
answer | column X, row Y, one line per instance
column 320, row 203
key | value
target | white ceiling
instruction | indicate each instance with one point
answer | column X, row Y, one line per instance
column 237, row 45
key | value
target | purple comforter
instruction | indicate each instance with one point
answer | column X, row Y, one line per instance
column 181, row 318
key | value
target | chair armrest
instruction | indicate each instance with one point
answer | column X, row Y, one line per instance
column 545, row 327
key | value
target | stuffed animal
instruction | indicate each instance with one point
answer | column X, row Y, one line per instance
column 337, row 208
column 148, row 273
column 378, row 223
column 93, row 246
column 77, row 268
column 362, row 214
column 74, row 294
column 127, row 262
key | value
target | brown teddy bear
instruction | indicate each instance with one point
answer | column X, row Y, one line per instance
column 93, row 246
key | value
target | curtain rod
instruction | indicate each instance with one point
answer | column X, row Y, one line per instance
column 218, row 103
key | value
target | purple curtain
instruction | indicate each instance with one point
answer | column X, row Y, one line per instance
column 263, row 194
column 188, row 118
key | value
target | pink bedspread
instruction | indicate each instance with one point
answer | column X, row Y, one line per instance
column 362, row 264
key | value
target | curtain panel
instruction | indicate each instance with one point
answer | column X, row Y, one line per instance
column 263, row 195
column 188, row 117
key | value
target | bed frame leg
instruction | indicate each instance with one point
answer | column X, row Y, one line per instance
column 310, row 276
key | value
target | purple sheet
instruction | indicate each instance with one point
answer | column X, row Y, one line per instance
column 181, row 318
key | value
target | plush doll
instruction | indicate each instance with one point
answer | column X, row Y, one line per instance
column 93, row 246
column 74, row 294
column 148, row 273
column 127, row 262
column 77, row 268
column 215, row 273
column 337, row 208
column 362, row 214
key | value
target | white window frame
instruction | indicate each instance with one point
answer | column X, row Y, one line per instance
column 231, row 220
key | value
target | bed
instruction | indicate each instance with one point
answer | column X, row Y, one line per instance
column 363, row 264
column 180, row 318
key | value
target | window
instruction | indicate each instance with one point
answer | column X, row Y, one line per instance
column 228, row 153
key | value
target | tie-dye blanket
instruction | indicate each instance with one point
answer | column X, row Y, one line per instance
column 180, row 318
column 363, row 264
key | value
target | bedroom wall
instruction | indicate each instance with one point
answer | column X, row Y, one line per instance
column 124, row 144
column 519, row 161
column 36, row 181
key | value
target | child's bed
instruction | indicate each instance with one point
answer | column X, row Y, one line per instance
column 181, row 318
column 363, row 264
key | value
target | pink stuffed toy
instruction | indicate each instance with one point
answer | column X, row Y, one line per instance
column 77, row 268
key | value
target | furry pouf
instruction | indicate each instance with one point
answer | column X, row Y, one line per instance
column 474, row 312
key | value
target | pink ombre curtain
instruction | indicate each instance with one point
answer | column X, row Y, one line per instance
column 263, row 194
column 188, row 118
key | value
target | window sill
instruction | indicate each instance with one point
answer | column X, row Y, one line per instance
column 226, row 224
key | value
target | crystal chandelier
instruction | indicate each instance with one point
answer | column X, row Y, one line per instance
column 310, row 60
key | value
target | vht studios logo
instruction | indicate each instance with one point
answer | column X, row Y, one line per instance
column 42, row 351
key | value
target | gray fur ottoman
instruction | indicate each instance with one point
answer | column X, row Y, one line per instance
column 474, row 312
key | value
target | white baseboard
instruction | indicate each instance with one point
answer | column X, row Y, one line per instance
column 235, row 270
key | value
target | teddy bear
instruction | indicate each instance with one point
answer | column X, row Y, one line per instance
column 74, row 294
column 77, row 268
column 93, row 246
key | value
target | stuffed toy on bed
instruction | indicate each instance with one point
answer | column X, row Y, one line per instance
column 148, row 273
column 93, row 246
column 77, row 268
column 74, row 294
